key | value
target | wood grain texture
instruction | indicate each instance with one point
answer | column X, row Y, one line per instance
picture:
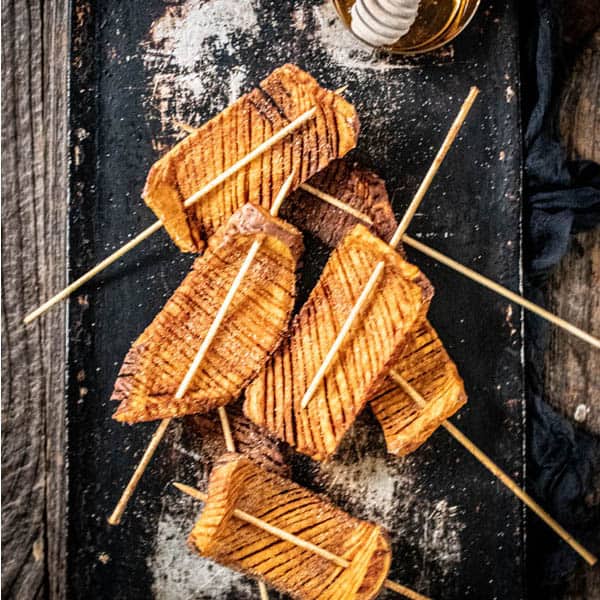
column 580, row 110
column 572, row 369
column 34, row 204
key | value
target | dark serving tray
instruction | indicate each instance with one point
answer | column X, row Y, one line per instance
column 136, row 67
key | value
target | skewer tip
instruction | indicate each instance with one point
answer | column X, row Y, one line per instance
column 341, row 90
column 182, row 487
column 114, row 519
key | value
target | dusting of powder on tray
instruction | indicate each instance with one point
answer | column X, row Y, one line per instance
column 185, row 53
column 180, row 573
column 384, row 490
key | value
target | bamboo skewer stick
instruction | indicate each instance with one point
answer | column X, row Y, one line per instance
column 396, row 238
column 226, row 427
column 230, row 445
column 240, row 164
column 156, row 226
column 357, row 214
column 435, row 166
column 499, row 289
column 339, row 340
column 115, row 517
column 487, row 462
column 296, row 540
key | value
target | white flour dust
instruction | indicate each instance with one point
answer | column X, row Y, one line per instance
column 185, row 53
column 384, row 490
column 179, row 573
column 440, row 540
column 341, row 46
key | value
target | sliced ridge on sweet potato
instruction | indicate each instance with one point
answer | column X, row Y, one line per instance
column 398, row 303
column 237, row 483
column 253, row 326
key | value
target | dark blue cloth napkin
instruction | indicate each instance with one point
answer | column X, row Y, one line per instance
column 561, row 198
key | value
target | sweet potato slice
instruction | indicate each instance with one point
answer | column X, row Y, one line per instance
column 237, row 483
column 253, row 326
column 398, row 303
column 352, row 184
column 195, row 161
column 426, row 366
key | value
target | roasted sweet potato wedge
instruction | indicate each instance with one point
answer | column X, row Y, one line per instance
column 352, row 184
column 253, row 326
column 237, row 483
column 426, row 366
column 396, row 306
column 282, row 97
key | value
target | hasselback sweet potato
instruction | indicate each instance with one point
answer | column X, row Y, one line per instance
column 426, row 366
column 398, row 303
column 253, row 326
column 279, row 99
column 237, row 483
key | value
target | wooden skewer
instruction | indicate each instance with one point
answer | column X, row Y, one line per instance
column 357, row 214
column 230, row 445
column 352, row 316
column 435, row 166
column 297, row 541
column 93, row 271
column 499, row 289
column 396, row 238
column 262, row 588
column 115, row 517
column 487, row 462
column 240, row 164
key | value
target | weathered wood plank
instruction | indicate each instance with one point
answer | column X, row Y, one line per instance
column 571, row 370
column 572, row 379
column 34, row 203
column 580, row 110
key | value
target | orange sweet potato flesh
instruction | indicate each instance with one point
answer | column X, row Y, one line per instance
column 237, row 483
column 283, row 96
column 398, row 303
column 253, row 326
column 426, row 366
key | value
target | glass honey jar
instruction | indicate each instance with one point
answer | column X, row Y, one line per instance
column 437, row 22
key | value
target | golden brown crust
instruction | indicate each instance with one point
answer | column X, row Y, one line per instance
column 398, row 303
column 236, row 482
column 283, row 96
column 426, row 366
column 354, row 185
column 257, row 318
